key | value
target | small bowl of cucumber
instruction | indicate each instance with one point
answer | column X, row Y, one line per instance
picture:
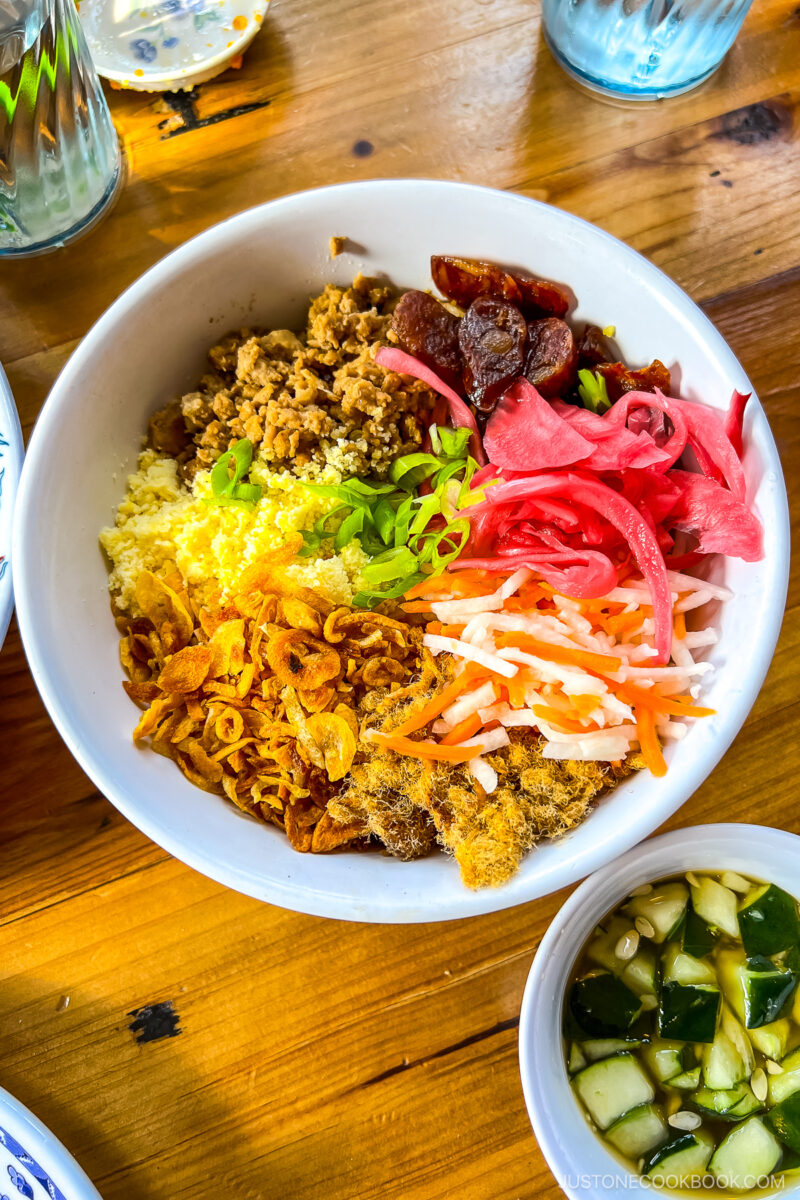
column 660, row 1029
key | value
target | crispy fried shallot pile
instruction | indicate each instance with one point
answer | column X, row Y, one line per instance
column 270, row 699
column 257, row 698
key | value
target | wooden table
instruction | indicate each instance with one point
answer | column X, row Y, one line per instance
column 313, row 1059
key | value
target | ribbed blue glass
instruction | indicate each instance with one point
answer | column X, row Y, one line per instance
column 642, row 49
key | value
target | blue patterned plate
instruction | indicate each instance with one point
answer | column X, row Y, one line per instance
column 33, row 1163
column 168, row 45
column 10, row 466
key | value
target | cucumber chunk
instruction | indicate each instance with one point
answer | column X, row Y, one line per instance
column 679, row 967
column 682, row 1159
column 604, row 1047
column 601, row 949
column 772, row 1039
column 602, row 1006
column 689, row 1081
column 716, row 905
column 768, row 990
column 732, row 1105
column 697, row 938
column 639, row 1131
column 577, row 1059
column 688, row 1012
column 785, row 1121
column 612, row 1087
column 749, row 1152
column 735, row 1033
column 641, row 973
column 758, row 990
column 663, row 908
column 790, row 1163
column 783, row 1085
column 768, row 921
column 664, row 1059
column 723, row 1064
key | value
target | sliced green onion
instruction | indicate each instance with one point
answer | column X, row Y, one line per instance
column 227, row 474
column 428, row 507
column 454, row 441
column 350, row 528
column 403, row 519
column 393, row 522
column 593, row 391
column 394, row 564
column 409, row 471
column 384, row 518
column 353, row 497
column 368, row 489
column 369, row 599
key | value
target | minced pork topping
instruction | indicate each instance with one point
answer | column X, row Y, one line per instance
column 304, row 400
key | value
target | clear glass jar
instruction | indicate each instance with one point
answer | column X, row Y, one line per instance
column 641, row 49
column 60, row 161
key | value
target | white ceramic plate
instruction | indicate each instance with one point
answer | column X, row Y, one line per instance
column 584, row 1167
column 33, row 1163
column 10, row 466
column 166, row 45
column 261, row 267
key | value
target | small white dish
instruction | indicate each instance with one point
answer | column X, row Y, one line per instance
column 582, row 1165
column 33, row 1163
column 168, row 45
column 260, row 268
column 10, row 466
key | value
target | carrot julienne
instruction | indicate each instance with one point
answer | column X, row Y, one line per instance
column 554, row 716
column 648, row 741
column 430, row 711
column 465, row 729
column 466, row 583
column 429, row 750
column 672, row 706
column 583, row 673
column 559, row 654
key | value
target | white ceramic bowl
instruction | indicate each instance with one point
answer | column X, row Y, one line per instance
column 261, row 267
column 33, row 1162
column 10, row 467
column 584, row 1169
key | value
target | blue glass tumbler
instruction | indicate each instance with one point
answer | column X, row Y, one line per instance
column 641, row 49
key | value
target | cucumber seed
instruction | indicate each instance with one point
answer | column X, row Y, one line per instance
column 644, row 927
column 627, row 945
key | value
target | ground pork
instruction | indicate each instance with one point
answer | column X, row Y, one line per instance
column 304, row 400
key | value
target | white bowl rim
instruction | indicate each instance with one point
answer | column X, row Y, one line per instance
column 10, row 464
column 561, row 1130
column 399, row 907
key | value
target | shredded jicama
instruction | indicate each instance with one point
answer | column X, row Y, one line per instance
column 581, row 672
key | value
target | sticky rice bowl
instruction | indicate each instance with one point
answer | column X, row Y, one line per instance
column 259, row 269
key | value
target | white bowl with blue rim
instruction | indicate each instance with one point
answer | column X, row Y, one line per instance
column 261, row 267
column 168, row 45
column 10, row 465
column 33, row 1163
column 584, row 1166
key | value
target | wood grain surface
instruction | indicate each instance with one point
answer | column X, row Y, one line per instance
column 187, row 1042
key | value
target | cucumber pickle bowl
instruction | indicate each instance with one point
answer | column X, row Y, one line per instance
column 259, row 268
column 629, row 1089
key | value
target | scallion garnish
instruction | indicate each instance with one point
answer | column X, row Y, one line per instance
column 399, row 529
column 593, row 391
column 227, row 477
